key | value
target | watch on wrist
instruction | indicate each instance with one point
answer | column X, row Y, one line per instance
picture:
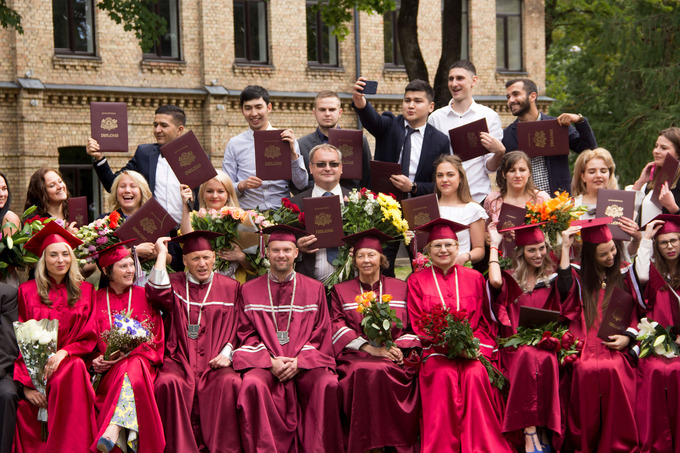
column 580, row 118
column 414, row 188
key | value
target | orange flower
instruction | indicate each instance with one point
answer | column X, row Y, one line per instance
column 386, row 297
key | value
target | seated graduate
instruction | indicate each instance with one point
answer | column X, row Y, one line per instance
column 379, row 392
column 289, row 398
column 196, row 388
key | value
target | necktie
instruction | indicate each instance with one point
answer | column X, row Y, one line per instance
column 406, row 152
column 331, row 252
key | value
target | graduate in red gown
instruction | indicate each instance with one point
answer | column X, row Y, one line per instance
column 460, row 409
column 127, row 381
column 658, row 390
column 58, row 292
column 600, row 402
column 533, row 405
column 379, row 393
column 289, row 400
column 196, row 388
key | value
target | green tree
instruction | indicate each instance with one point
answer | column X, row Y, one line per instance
column 617, row 61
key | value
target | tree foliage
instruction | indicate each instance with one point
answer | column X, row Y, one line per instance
column 617, row 61
column 10, row 18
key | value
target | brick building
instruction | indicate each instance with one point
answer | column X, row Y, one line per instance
column 72, row 54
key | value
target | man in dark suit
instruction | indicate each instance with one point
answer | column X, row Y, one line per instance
column 550, row 173
column 327, row 112
column 9, row 351
column 325, row 163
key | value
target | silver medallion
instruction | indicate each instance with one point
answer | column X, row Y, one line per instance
column 192, row 331
column 282, row 336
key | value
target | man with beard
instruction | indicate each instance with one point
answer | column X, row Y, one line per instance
column 550, row 173
column 289, row 396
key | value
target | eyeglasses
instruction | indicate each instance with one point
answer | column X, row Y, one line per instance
column 323, row 164
column 438, row 247
column 672, row 243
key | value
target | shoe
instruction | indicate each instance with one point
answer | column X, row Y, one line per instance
column 535, row 442
column 105, row 444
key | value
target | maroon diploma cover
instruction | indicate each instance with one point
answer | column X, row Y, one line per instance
column 323, row 219
column 510, row 216
column 380, row 178
column 149, row 223
column 188, row 160
column 272, row 156
column 616, row 203
column 108, row 125
column 418, row 211
column 350, row 142
column 617, row 317
column 465, row 140
column 77, row 211
column 668, row 171
column 536, row 317
column 543, row 138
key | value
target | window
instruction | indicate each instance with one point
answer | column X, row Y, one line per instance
column 168, row 46
column 80, row 178
column 391, row 40
column 509, row 35
column 250, row 31
column 73, row 22
column 322, row 46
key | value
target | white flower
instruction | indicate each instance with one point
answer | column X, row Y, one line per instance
column 369, row 208
column 45, row 337
column 646, row 328
column 660, row 349
column 354, row 196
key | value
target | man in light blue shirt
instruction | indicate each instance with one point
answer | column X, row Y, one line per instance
column 239, row 156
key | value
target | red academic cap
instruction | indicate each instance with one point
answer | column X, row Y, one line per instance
column 527, row 234
column 113, row 253
column 51, row 233
column 595, row 231
column 441, row 229
column 369, row 239
column 283, row 233
column 195, row 241
column 671, row 223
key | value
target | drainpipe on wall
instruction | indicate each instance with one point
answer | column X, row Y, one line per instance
column 357, row 53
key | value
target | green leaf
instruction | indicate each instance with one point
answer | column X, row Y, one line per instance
column 386, row 324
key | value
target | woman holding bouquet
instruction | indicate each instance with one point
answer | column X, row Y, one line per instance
column 127, row 413
column 533, row 401
column 600, row 400
column 380, row 397
column 656, row 266
column 58, row 292
column 460, row 409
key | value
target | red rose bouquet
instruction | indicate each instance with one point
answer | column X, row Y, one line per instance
column 551, row 337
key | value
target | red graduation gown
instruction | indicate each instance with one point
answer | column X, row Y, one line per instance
column 533, row 398
column 302, row 414
column 658, row 389
column 140, row 366
column 197, row 403
column 70, row 399
column 380, row 398
column 460, row 411
column 600, row 400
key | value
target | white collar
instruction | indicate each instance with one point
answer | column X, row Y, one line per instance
column 318, row 191
column 289, row 277
column 471, row 108
column 194, row 280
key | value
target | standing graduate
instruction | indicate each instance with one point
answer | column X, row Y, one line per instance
column 600, row 401
column 127, row 413
column 196, row 388
column 379, row 393
column 460, row 409
column 58, row 292
column 289, row 400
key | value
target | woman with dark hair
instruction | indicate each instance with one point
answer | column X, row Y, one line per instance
column 600, row 400
column 656, row 266
column 47, row 191
column 6, row 215
column 58, row 292
column 379, row 395
column 128, row 415
column 533, row 405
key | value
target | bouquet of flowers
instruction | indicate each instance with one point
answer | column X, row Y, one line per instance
column 420, row 262
column 12, row 252
column 451, row 331
column 551, row 337
column 97, row 236
column 124, row 336
column 287, row 214
column 37, row 342
column 657, row 340
column 378, row 318
column 558, row 213
column 365, row 210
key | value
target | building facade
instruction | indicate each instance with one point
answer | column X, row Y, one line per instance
column 72, row 54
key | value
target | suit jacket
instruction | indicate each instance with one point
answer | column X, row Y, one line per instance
column 581, row 137
column 8, row 343
column 309, row 141
column 389, row 134
column 307, row 261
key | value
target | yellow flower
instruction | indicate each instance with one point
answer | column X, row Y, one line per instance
column 386, row 297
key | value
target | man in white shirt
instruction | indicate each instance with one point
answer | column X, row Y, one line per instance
column 239, row 156
column 462, row 109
